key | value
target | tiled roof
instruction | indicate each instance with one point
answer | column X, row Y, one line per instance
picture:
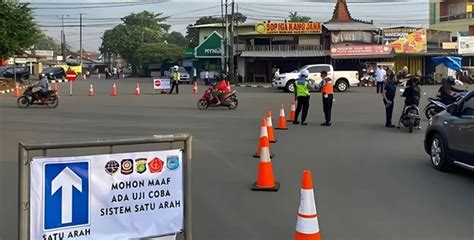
column 341, row 14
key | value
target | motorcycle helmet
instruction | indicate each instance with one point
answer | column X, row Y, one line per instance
column 304, row 73
column 175, row 68
column 451, row 80
column 42, row 76
column 220, row 76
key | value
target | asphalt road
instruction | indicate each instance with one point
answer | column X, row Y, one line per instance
column 370, row 182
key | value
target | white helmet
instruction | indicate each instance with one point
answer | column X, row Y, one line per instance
column 304, row 73
column 175, row 68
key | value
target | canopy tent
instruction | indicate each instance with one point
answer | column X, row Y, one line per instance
column 450, row 62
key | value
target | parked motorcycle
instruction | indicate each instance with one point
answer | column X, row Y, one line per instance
column 30, row 97
column 436, row 105
column 228, row 100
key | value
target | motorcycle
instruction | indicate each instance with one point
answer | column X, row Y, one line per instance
column 228, row 100
column 411, row 116
column 436, row 105
column 29, row 97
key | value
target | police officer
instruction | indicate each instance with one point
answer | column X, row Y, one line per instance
column 302, row 86
column 327, row 90
column 175, row 80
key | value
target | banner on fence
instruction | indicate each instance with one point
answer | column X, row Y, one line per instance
column 113, row 196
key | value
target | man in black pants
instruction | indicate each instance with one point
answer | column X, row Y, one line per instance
column 175, row 80
column 327, row 90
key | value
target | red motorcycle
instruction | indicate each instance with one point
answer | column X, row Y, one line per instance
column 228, row 100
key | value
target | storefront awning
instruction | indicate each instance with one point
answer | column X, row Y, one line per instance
column 284, row 54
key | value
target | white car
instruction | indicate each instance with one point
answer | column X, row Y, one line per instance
column 342, row 80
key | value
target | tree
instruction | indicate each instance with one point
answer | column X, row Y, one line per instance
column 18, row 30
column 192, row 34
column 177, row 39
column 47, row 43
column 294, row 17
column 140, row 39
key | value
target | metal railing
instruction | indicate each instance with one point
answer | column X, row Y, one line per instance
column 25, row 159
column 461, row 16
column 278, row 48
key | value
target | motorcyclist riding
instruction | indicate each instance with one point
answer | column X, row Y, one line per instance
column 412, row 95
column 447, row 90
column 219, row 87
column 43, row 85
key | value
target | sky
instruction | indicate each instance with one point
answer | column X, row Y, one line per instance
column 100, row 15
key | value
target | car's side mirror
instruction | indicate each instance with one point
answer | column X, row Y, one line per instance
column 452, row 109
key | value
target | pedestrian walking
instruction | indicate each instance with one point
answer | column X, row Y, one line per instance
column 194, row 75
column 206, row 77
column 380, row 76
column 388, row 94
column 175, row 80
column 327, row 91
column 302, row 86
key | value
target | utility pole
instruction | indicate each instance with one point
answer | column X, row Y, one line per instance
column 226, row 38
column 222, row 41
column 63, row 37
column 231, row 49
column 80, row 40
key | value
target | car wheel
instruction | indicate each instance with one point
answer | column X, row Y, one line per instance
column 290, row 86
column 342, row 86
column 438, row 153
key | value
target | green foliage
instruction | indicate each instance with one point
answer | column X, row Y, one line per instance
column 294, row 17
column 18, row 30
column 177, row 39
column 192, row 34
column 140, row 39
column 47, row 43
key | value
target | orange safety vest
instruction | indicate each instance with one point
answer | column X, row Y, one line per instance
column 327, row 88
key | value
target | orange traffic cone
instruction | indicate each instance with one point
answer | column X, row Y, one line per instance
column 114, row 90
column 195, row 88
column 271, row 134
column 137, row 90
column 263, row 139
column 16, row 93
column 292, row 111
column 282, row 119
column 91, row 91
column 265, row 178
column 307, row 225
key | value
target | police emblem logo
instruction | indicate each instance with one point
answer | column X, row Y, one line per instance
column 127, row 166
column 156, row 165
column 111, row 167
column 172, row 162
column 140, row 165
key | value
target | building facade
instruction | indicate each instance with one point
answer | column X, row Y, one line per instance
column 455, row 16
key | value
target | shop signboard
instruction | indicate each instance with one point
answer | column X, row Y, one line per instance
column 286, row 28
column 210, row 48
column 360, row 50
column 393, row 34
column 466, row 45
column 415, row 42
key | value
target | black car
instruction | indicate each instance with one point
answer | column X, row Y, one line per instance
column 20, row 72
column 54, row 73
column 449, row 138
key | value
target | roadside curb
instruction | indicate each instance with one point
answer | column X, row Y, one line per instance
column 252, row 86
column 11, row 90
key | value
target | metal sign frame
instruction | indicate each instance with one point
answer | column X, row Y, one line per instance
column 25, row 160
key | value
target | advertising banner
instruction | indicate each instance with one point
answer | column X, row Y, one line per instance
column 413, row 43
column 111, row 196
column 466, row 45
column 288, row 28
column 393, row 34
column 360, row 50
column 161, row 84
column 353, row 36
